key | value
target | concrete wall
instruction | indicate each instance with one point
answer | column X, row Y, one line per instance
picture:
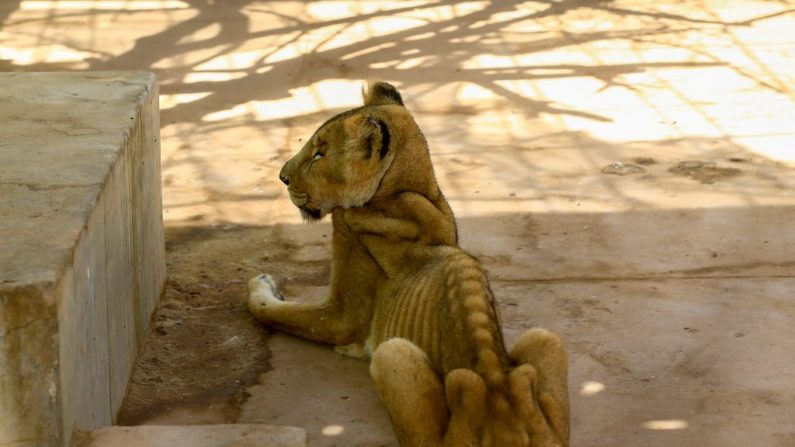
column 82, row 259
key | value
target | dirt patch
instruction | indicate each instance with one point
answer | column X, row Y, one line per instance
column 202, row 352
column 205, row 348
column 705, row 172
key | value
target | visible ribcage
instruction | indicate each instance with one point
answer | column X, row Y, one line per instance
column 410, row 311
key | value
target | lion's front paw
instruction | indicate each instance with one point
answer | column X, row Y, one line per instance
column 262, row 291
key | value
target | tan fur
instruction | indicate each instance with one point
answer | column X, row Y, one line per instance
column 403, row 292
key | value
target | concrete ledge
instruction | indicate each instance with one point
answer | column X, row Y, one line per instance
column 82, row 260
column 238, row 435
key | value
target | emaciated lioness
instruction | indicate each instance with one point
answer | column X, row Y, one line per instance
column 404, row 293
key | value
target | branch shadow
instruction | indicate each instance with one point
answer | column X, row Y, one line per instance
column 441, row 43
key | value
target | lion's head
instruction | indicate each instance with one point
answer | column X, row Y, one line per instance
column 345, row 160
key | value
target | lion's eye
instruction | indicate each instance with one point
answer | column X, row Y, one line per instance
column 318, row 155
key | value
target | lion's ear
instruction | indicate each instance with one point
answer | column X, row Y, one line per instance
column 380, row 93
column 372, row 135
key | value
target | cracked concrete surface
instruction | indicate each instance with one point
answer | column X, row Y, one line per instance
column 624, row 170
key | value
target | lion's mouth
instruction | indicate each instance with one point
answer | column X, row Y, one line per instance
column 310, row 213
column 304, row 204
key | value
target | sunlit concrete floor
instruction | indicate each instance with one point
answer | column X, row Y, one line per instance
column 624, row 169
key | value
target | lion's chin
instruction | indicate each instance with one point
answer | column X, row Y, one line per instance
column 310, row 214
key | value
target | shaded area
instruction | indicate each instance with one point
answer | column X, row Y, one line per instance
column 683, row 332
column 204, row 348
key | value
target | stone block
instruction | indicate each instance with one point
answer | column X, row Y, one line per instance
column 82, row 259
column 237, row 435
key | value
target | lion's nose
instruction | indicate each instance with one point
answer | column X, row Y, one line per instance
column 284, row 179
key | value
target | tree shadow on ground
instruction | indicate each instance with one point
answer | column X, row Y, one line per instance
column 442, row 43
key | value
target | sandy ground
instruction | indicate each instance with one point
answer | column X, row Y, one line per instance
column 624, row 170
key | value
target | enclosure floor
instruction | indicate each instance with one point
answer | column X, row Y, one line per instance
column 623, row 169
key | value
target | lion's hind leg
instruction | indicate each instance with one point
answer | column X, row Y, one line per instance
column 413, row 394
column 544, row 351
